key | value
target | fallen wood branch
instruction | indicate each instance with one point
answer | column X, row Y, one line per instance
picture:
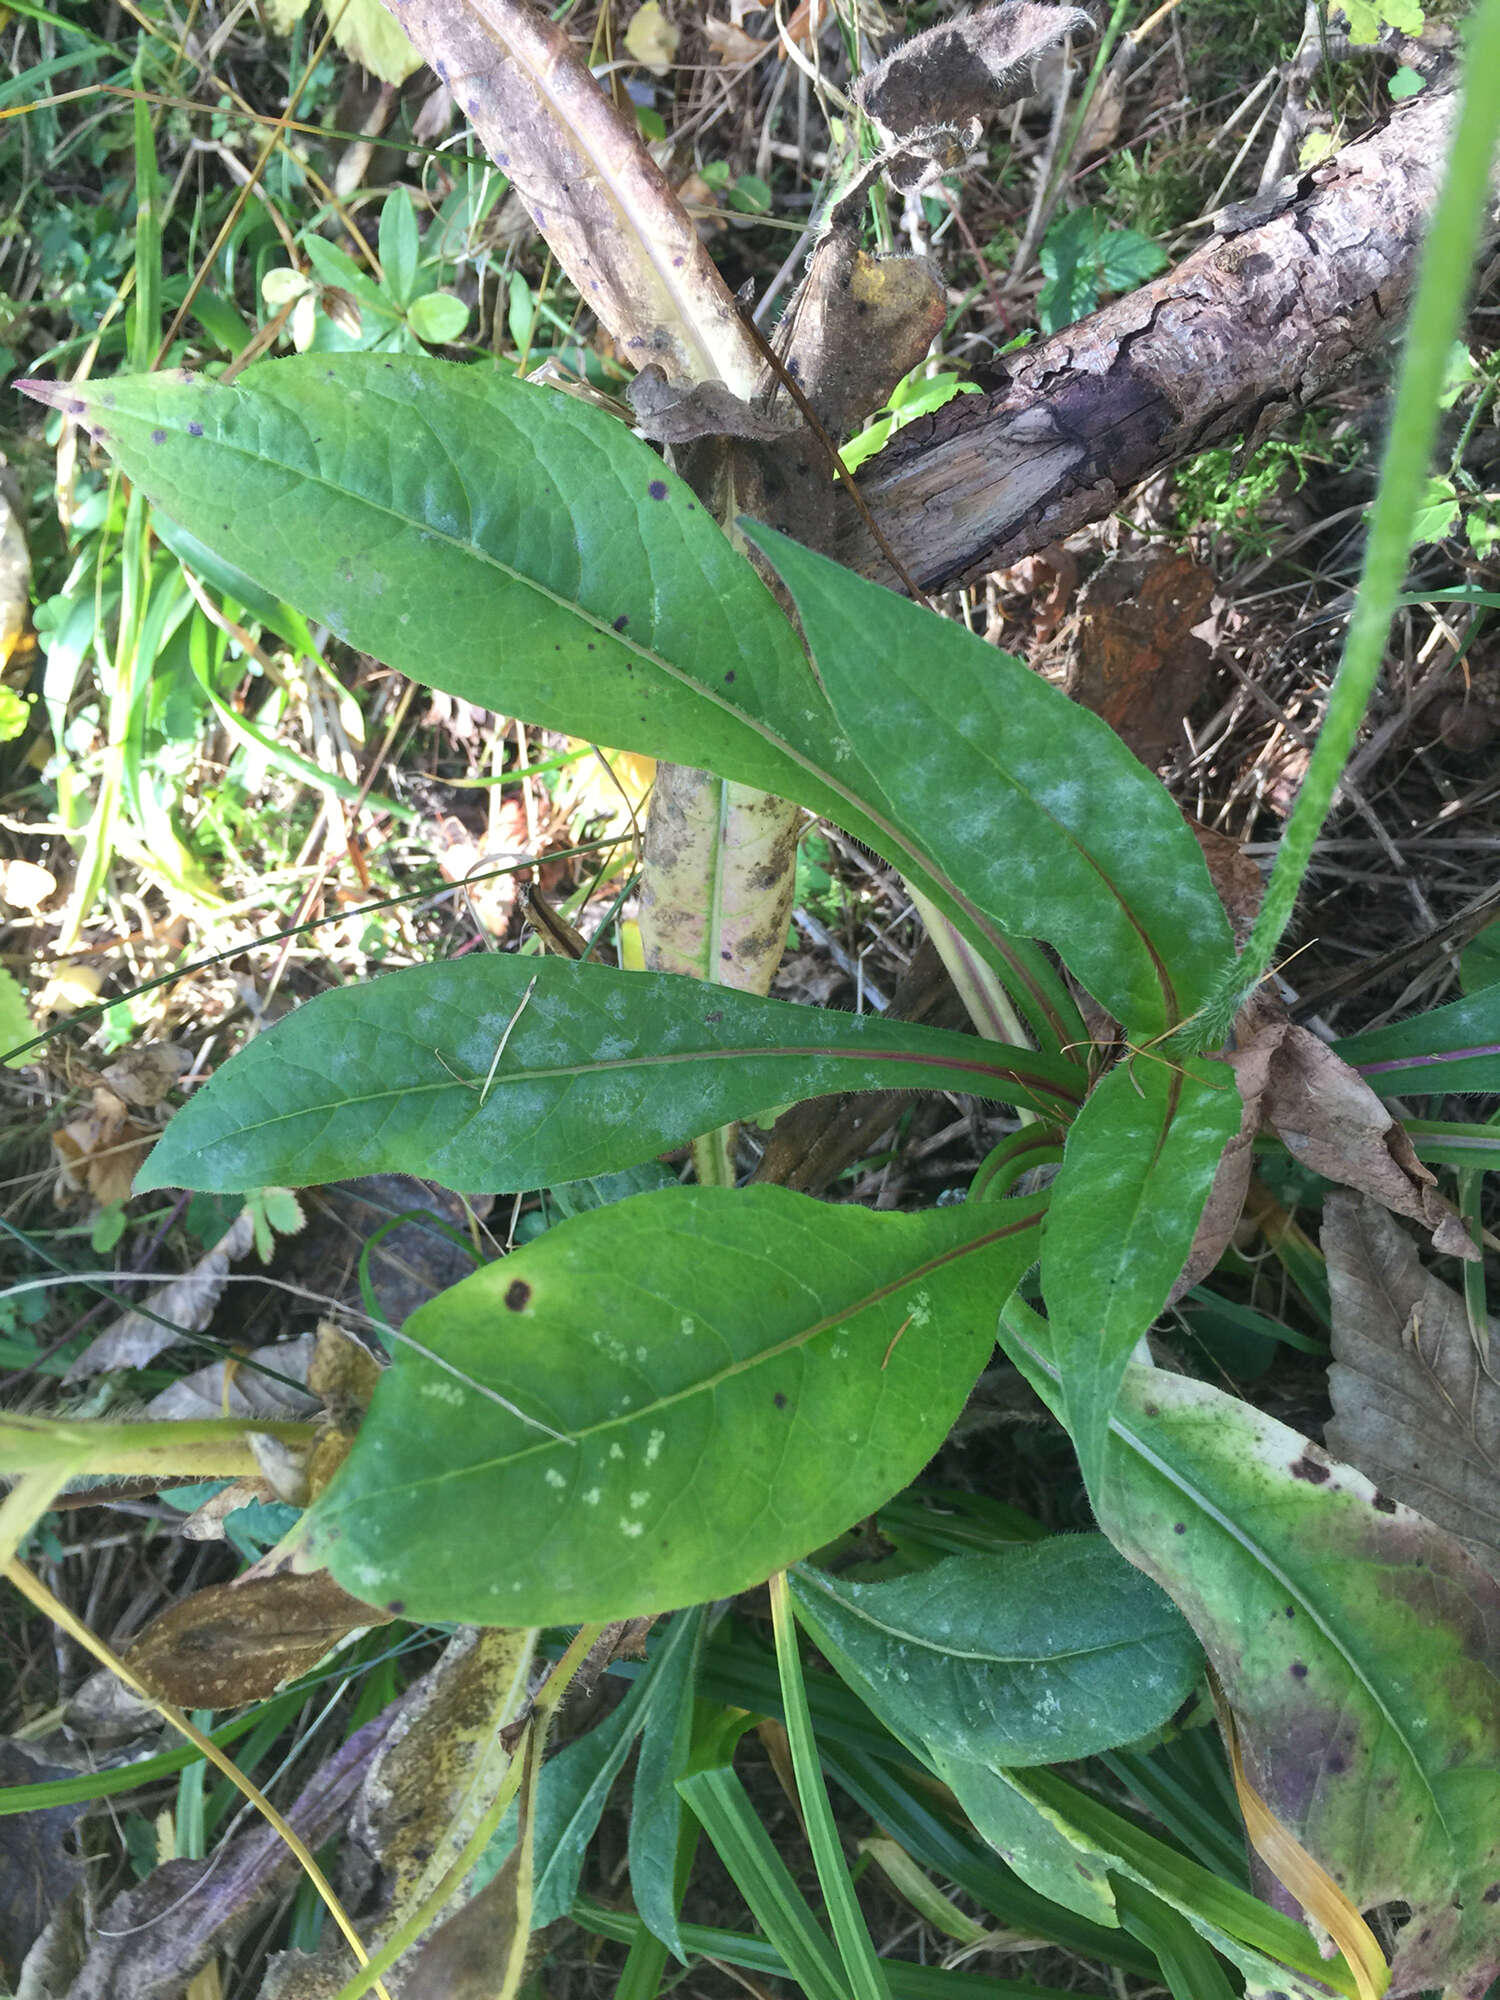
column 1236, row 340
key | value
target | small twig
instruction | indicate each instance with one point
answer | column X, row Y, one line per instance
column 522, row 1005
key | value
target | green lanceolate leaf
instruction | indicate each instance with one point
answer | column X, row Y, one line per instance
column 598, row 1068
column 1356, row 1644
column 1137, row 1169
column 1448, row 1049
column 519, row 548
column 516, row 548
column 1054, row 829
column 1031, row 1655
column 662, row 1401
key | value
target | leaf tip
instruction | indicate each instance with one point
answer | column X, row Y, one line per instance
column 56, row 395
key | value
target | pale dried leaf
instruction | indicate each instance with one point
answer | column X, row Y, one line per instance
column 964, row 69
column 188, row 1303
column 15, row 566
column 250, row 1391
column 422, row 1799
column 1415, row 1405
column 366, row 32
column 1331, row 1121
column 717, row 899
column 730, row 43
column 144, row 1075
column 589, row 185
column 283, row 15
column 206, row 1523
column 1250, row 1063
column 100, row 1152
column 26, row 886
column 858, row 324
column 670, row 414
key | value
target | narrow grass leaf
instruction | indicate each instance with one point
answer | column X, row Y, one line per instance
column 1448, row 1050
column 719, row 1800
column 656, row 1809
column 856, row 1948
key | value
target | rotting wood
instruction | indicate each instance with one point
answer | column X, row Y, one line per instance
column 1235, row 341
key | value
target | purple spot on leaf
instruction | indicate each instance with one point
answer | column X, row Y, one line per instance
column 658, row 489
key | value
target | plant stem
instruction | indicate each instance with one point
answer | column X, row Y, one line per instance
column 200, row 1448
column 1436, row 317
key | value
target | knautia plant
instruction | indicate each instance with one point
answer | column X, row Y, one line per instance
column 668, row 1399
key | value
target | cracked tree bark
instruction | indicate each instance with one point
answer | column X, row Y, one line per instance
column 1237, row 339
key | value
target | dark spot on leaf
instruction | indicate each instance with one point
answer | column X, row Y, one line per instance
column 1298, row 1670
column 1336, row 1762
column 517, row 1292
column 1179, row 1527
column 1152, row 1409
column 1291, row 1611
column 622, row 621
column 76, row 404
column 1492, row 1894
column 591, row 645
column 1382, row 1505
column 779, row 1400
column 729, row 676
column 716, row 1015
column 726, row 954
column 396, row 1606
column 158, row 437
column 1309, row 1469
column 658, row 489
column 195, row 430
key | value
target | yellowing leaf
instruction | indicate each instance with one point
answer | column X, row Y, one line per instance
column 365, row 31
column 283, row 15
column 15, row 1022
column 652, row 39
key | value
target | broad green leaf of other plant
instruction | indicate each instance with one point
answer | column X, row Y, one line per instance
column 1033, row 804
column 662, row 1402
column 1138, row 1165
column 1032, row 1655
column 599, row 1069
column 1357, row 1645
